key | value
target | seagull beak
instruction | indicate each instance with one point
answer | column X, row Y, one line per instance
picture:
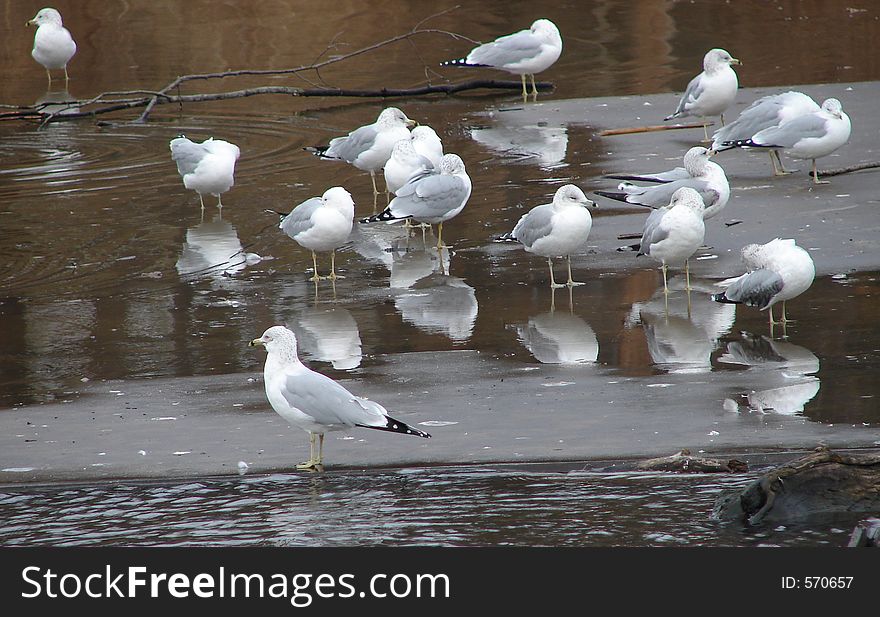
column 591, row 204
column 255, row 342
column 411, row 123
column 735, row 61
column 712, row 152
column 28, row 23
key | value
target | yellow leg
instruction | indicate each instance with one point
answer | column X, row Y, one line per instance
column 373, row 178
column 202, row 201
column 320, row 460
column 219, row 202
column 333, row 275
column 525, row 92
column 440, row 244
column 534, row 88
column 316, row 277
column 816, row 179
column 49, row 75
column 570, row 282
column 553, row 283
column 687, row 276
column 312, row 463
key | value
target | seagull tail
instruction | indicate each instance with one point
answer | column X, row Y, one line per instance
column 723, row 299
column 618, row 196
column 505, row 237
column 280, row 214
column 460, row 62
column 743, row 143
column 672, row 116
column 385, row 215
column 635, row 178
column 396, row 426
column 319, row 151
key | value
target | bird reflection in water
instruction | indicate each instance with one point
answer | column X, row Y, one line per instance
column 329, row 335
column 779, row 362
column 559, row 337
column 212, row 250
column 541, row 144
column 439, row 304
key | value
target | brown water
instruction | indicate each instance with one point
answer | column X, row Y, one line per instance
column 109, row 272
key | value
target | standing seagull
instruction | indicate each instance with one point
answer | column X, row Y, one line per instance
column 207, row 167
column 523, row 53
column 53, row 45
column 322, row 224
column 556, row 229
column 777, row 271
column 711, row 92
column 699, row 173
column 673, row 233
column 314, row 402
column 431, row 197
column 369, row 147
column 808, row 136
column 405, row 162
column 766, row 112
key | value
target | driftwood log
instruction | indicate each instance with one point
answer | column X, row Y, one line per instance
column 684, row 462
column 822, row 482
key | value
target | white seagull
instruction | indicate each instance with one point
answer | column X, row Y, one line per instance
column 322, row 224
column 698, row 173
column 427, row 143
column 556, row 229
column 523, row 53
column 776, row 271
column 405, row 162
column 808, row 136
column 314, row 402
column 711, row 92
column 369, row 147
column 432, row 197
column 53, row 44
column 766, row 112
column 673, row 233
column 207, row 167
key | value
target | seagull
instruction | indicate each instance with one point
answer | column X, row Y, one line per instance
column 322, row 224
column 556, row 229
column 53, row 44
column 711, row 92
column 206, row 167
column 369, row 147
column 523, row 53
column 427, row 143
column 808, row 136
column 776, row 271
column 698, row 173
column 766, row 112
column 314, row 402
column 673, row 233
column 405, row 162
column 433, row 197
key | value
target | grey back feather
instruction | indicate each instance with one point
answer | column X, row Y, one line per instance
column 755, row 288
column 299, row 219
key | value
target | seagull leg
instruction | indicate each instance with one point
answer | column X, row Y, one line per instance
column 373, row 178
column 315, row 278
column 534, row 88
column 219, row 202
column 706, row 132
column 570, row 282
column 440, row 244
column 553, row 283
column 785, row 319
column 202, row 201
column 49, row 75
column 525, row 92
column 778, row 169
column 320, row 461
column 66, row 76
column 722, row 119
column 333, row 276
column 687, row 277
column 311, row 463
column 816, row 179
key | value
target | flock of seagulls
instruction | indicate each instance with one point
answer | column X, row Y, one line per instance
column 430, row 187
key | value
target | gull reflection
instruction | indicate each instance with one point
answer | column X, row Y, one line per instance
column 540, row 143
column 212, row 250
column 559, row 337
column 440, row 304
column 56, row 102
column 780, row 362
column 683, row 332
column 329, row 335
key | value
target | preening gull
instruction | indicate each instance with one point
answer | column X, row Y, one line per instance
column 314, row 402
column 711, row 92
column 53, row 44
column 369, row 147
column 766, row 112
column 776, row 271
column 699, row 173
column 433, row 197
column 673, row 233
column 523, row 53
column 322, row 224
column 808, row 136
column 556, row 229
column 207, row 167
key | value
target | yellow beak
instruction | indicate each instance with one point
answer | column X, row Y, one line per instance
column 255, row 342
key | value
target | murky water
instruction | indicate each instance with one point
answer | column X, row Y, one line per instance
column 108, row 271
column 425, row 507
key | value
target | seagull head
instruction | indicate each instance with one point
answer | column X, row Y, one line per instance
column 571, row 195
column 392, row 116
column 717, row 58
column 688, row 197
column 695, row 160
column 340, row 199
column 45, row 16
column 833, row 107
column 277, row 340
column 451, row 164
column 545, row 28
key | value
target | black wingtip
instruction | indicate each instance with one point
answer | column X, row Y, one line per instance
column 383, row 216
column 507, row 237
column 723, row 299
column 460, row 62
column 280, row 214
column 316, row 150
column 396, row 426
column 612, row 195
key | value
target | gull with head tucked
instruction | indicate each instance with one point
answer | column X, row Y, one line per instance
column 314, row 402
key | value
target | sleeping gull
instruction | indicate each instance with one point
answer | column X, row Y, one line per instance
column 523, row 53
column 206, row 167
column 53, row 45
column 699, row 173
column 777, row 271
column 673, row 233
column 322, row 224
column 767, row 111
column 404, row 163
column 427, row 143
column 369, row 147
column 711, row 92
column 314, row 402
column 432, row 197
column 556, row 229
column 808, row 136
